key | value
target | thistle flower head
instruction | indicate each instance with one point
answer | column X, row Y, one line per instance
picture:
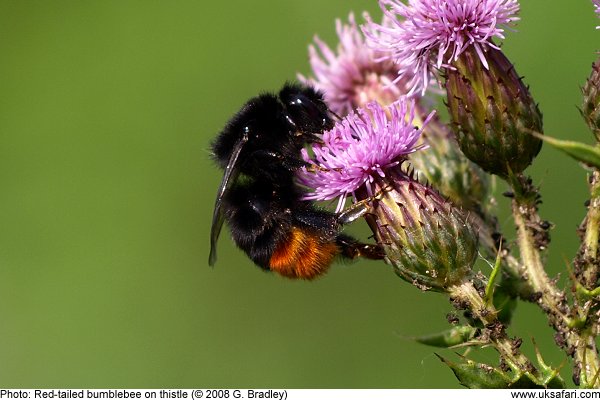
column 597, row 9
column 360, row 149
column 427, row 240
column 351, row 76
column 427, row 34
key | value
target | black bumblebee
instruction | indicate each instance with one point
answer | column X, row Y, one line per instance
column 259, row 151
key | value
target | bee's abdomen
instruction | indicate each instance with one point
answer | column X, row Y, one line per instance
column 303, row 255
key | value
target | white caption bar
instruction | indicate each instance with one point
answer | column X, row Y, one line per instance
column 297, row 394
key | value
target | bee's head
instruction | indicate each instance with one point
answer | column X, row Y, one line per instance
column 306, row 109
column 258, row 121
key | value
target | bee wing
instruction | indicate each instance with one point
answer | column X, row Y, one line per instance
column 230, row 175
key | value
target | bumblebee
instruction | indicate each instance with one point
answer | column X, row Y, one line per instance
column 259, row 151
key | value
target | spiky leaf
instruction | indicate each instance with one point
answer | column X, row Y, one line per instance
column 482, row 376
column 589, row 155
column 454, row 336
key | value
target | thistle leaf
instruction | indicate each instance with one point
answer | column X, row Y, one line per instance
column 482, row 376
column 586, row 154
column 449, row 338
column 478, row 376
column 489, row 290
column 548, row 374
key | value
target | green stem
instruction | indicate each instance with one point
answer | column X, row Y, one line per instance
column 590, row 240
column 586, row 359
column 549, row 297
column 586, row 354
column 488, row 315
column 527, row 220
column 532, row 266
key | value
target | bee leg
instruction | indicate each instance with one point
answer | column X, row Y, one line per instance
column 311, row 137
column 357, row 210
column 322, row 221
column 351, row 249
column 314, row 168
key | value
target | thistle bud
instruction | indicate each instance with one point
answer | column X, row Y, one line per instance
column 591, row 101
column 445, row 167
column 428, row 241
column 493, row 112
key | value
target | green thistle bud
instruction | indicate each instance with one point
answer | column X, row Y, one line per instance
column 493, row 112
column 445, row 167
column 427, row 240
column 591, row 100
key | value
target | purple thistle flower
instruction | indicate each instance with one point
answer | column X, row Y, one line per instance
column 597, row 9
column 351, row 77
column 360, row 149
column 427, row 34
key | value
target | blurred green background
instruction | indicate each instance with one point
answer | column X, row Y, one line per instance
column 107, row 109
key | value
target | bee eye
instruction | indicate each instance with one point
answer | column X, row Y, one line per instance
column 304, row 109
column 251, row 132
